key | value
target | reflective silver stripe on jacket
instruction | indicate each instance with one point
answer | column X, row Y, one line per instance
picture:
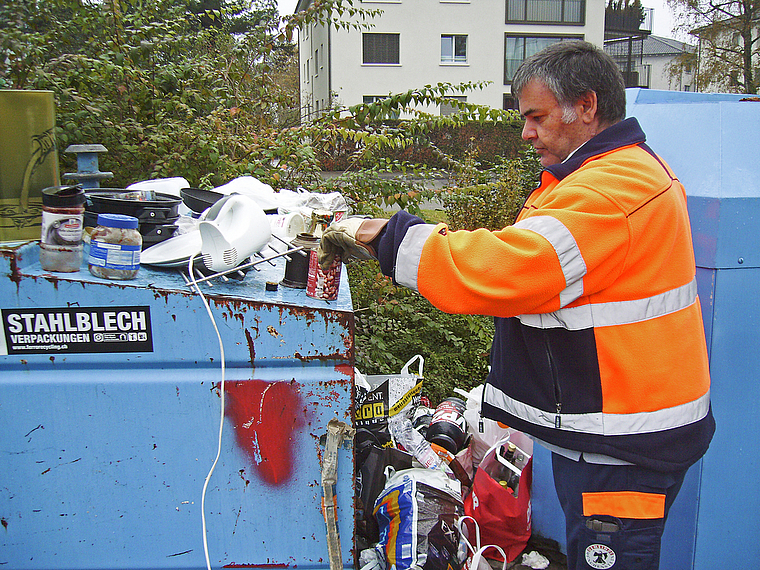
column 617, row 312
column 409, row 253
column 568, row 252
column 599, row 423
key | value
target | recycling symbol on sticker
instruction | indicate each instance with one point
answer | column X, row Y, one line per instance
column 600, row 556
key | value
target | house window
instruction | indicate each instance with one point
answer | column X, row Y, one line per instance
column 316, row 63
column 449, row 109
column 453, row 49
column 687, row 87
column 369, row 99
column 380, row 48
column 546, row 11
column 517, row 48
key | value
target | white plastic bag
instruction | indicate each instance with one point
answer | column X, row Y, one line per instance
column 471, row 555
column 305, row 202
column 492, row 432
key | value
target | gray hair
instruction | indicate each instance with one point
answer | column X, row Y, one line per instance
column 570, row 69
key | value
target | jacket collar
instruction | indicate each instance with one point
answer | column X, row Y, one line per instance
column 624, row 133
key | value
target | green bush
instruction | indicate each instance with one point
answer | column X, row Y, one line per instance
column 392, row 324
column 435, row 149
column 495, row 203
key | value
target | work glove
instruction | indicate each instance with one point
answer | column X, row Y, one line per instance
column 349, row 238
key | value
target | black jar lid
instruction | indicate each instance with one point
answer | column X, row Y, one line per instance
column 63, row 196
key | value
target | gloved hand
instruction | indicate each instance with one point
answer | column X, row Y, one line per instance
column 349, row 238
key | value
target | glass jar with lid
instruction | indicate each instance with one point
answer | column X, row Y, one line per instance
column 115, row 246
column 62, row 226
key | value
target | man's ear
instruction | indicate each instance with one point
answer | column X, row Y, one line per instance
column 586, row 107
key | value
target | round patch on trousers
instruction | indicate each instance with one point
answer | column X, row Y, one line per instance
column 600, row 556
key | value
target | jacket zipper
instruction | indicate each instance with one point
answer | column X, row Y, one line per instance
column 557, row 390
column 481, row 423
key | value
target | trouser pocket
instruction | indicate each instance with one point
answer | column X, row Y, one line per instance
column 619, row 543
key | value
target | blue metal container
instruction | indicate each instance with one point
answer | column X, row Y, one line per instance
column 711, row 142
column 110, row 414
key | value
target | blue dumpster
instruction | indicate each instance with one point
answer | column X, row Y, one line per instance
column 711, row 142
column 110, row 413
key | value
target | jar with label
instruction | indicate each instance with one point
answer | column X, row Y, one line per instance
column 115, row 247
column 62, row 226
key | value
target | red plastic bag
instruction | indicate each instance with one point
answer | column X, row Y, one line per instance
column 504, row 519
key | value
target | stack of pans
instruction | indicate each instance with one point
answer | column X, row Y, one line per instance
column 156, row 212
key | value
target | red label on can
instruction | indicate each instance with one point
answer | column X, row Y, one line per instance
column 323, row 284
column 449, row 412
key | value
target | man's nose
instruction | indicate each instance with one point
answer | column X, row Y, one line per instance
column 528, row 131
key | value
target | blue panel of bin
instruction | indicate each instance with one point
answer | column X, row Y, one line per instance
column 711, row 142
column 110, row 414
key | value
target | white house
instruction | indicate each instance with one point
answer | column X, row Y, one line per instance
column 414, row 43
column 649, row 65
column 658, row 54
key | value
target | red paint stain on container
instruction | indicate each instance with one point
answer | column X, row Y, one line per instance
column 265, row 416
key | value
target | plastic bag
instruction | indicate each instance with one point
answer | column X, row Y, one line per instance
column 503, row 514
column 471, row 555
column 370, row 481
column 379, row 397
column 484, row 432
column 417, row 513
column 305, row 202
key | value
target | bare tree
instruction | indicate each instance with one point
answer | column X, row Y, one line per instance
column 728, row 51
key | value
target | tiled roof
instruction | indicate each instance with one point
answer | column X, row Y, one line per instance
column 657, row 45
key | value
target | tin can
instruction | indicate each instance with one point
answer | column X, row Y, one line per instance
column 323, row 284
column 448, row 427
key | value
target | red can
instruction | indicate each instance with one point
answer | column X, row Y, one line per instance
column 323, row 284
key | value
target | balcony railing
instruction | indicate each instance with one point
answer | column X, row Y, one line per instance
column 637, row 76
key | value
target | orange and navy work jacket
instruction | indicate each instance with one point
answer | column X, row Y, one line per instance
column 599, row 343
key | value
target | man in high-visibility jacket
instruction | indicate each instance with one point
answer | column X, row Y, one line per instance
column 599, row 351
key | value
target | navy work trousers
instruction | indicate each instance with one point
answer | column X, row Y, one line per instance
column 614, row 514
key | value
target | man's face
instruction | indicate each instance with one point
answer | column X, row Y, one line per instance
column 553, row 130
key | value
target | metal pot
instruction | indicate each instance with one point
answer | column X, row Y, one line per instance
column 142, row 204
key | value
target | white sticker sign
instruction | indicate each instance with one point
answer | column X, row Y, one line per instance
column 76, row 330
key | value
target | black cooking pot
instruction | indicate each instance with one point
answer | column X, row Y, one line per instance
column 155, row 233
column 142, row 204
column 155, row 212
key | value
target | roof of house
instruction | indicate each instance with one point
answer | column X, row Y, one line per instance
column 657, row 45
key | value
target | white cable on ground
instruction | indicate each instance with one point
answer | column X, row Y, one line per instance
column 194, row 283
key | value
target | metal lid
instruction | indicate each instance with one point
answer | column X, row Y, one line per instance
column 63, row 196
column 307, row 241
column 118, row 221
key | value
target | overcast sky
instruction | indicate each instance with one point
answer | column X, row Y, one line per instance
column 663, row 24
